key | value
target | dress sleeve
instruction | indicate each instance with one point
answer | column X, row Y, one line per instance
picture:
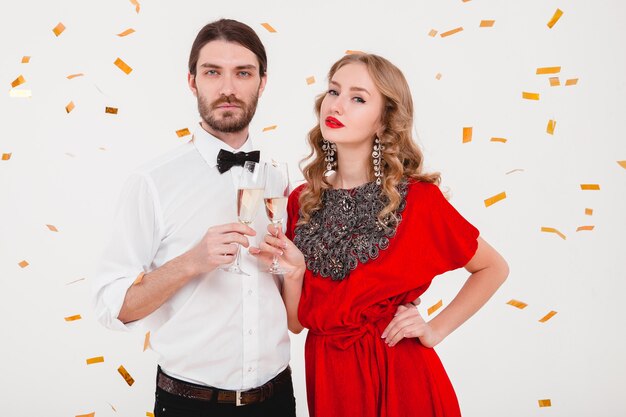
column 293, row 212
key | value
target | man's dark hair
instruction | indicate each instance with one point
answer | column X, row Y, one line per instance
column 231, row 31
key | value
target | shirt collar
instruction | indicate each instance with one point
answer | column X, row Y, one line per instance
column 209, row 146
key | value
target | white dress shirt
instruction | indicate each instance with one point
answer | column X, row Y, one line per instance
column 221, row 329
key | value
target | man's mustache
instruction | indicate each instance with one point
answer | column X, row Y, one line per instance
column 228, row 100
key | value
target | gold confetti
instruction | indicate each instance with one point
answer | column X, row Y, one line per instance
column 110, row 110
column 70, row 106
column 310, row 80
column 451, row 32
column 52, row 228
column 272, row 127
column 18, row 81
column 590, row 187
column 146, row 342
column 551, row 126
column 554, row 81
column 6, row 156
column 136, row 4
column 589, row 212
column 268, row 27
column 114, row 409
column 58, row 29
column 435, row 307
column 553, row 230
column 571, row 81
column 129, row 379
column 519, row 304
column 467, row 134
column 432, row 33
column 75, row 281
column 18, row 93
column 126, row 32
column 87, row 415
column 547, row 317
column 97, row 359
column 353, row 52
column 438, row 76
column 555, row 18
column 493, row 200
column 503, row 140
column 23, row 264
column 588, row 228
column 25, row 59
column 530, row 96
column 183, row 132
column 139, row 278
column 465, row 1
column 149, row 414
column 123, row 66
column 69, row 77
column 545, row 403
column 622, row 164
column 515, row 170
column 73, row 318
column 487, row 23
column 548, row 70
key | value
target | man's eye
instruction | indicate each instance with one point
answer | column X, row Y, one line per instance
column 211, row 72
column 244, row 74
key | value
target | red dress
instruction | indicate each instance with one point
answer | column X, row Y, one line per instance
column 350, row 371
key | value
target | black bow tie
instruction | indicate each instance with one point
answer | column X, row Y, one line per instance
column 226, row 159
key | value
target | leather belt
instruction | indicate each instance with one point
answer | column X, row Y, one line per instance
column 205, row 393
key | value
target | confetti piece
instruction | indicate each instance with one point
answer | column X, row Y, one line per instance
column 467, row 134
column 58, row 29
column 588, row 211
column 432, row 33
column 139, row 278
column 23, row 264
column 114, row 409
column 555, row 18
column 110, row 110
column 69, row 77
column 590, row 187
column 146, row 342
column 545, row 403
column 6, row 156
column 18, row 81
column 129, row 379
column 70, row 106
column 123, row 66
column 25, row 59
column 547, row 317
column 149, row 414
column 622, row 164
column 310, row 80
column 493, row 200
column 438, row 76
column 465, row 1
column 435, row 307
column 126, row 32
column 588, row 228
column 548, row 70
column 553, row 230
column 75, row 281
column 515, row 170
column 519, row 304
column 136, row 4
column 73, row 318
column 19, row 93
column 272, row 127
column 554, row 82
column 87, row 415
column 551, row 126
column 353, row 52
column 530, row 96
column 52, row 228
column 451, row 32
column 503, row 140
column 102, row 149
column 571, row 81
column 487, row 23
column 268, row 27
column 71, row 155
column 97, row 359
column 183, row 132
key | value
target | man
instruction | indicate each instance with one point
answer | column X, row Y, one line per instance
column 221, row 337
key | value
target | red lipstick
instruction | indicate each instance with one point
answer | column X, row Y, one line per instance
column 333, row 123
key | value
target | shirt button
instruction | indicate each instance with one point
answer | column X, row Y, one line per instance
column 250, row 331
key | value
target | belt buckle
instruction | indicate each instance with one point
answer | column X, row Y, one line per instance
column 238, row 398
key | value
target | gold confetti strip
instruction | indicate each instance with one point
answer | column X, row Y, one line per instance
column 530, row 96
column 589, row 212
column 70, row 106
column 149, row 414
column 438, row 76
column 97, row 359
column 465, row 1
column 487, row 23
column 71, row 155
column 126, row 32
column 519, row 304
column 353, row 52
column 110, row 110
column 18, row 81
column 435, row 307
column 73, row 318
column 268, row 27
column 146, row 341
column 588, row 228
column 114, row 409
column 18, row 93
column 136, row 4
column 52, row 228
column 139, row 278
column 23, row 264
column 75, row 281
column 80, row 74
column 503, row 140
column 451, row 32
column 590, row 187
column 183, row 132
column 25, row 59
column 545, row 403
column 272, row 127
column 551, row 126
column 547, row 317
column 493, row 200
column 571, row 81
column 622, row 164
column 467, row 134
column 555, row 18
column 432, row 33
column 58, row 29
column 6, row 156
column 310, row 80
column 129, row 379
column 123, row 66
column 515, row 170
column 554, row 81
column 87, row 415
column 548, row 70
column 553, row 230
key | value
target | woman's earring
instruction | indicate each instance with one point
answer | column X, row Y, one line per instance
column 376, row 156
column 329, row 149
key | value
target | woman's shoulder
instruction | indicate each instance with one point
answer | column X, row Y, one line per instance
column 422, row 189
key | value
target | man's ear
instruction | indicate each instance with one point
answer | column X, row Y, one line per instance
column 262, row 84
column 191, row 80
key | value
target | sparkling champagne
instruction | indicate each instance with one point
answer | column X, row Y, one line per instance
column 248, row 200
column 275, row 208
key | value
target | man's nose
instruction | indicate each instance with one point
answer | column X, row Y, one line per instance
column 227, row 87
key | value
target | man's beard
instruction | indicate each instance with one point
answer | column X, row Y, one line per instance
column 228, row 122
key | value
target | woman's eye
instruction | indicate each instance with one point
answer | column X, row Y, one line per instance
column 333, row 92
column 358, row 100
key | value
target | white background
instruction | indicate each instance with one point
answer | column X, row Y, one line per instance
column 66, row 170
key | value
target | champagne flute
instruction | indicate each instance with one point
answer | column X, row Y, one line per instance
column 249, row 195
column 276, row 195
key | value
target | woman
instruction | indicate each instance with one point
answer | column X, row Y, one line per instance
column 366, row 235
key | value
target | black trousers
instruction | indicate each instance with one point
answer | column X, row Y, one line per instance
column 282, row 404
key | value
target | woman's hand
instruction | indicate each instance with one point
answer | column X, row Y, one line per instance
column 408, row 322
column 276, row 243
